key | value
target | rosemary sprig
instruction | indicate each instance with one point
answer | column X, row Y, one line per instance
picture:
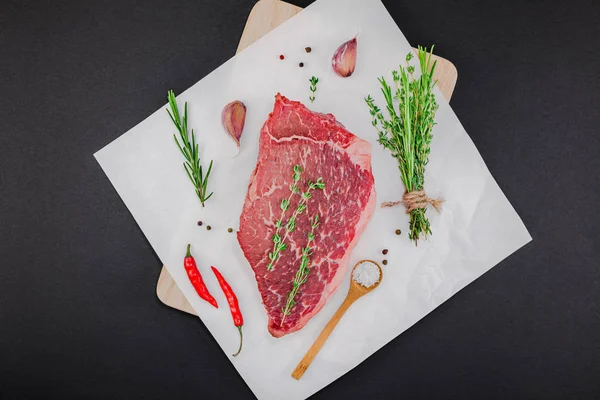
column 313, row 88
column 407, row 131
column 302, row 273
column 189, row 149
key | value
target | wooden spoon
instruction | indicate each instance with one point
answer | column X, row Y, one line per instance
column 355, row 292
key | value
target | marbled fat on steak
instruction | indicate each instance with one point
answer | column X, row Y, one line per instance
column 294, row 135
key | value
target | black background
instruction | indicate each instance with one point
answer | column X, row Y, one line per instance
column 78, row 312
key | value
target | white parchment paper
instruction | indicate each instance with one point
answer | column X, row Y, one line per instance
column 476, row 229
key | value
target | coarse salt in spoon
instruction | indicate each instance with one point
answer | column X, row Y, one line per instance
column 366, row 276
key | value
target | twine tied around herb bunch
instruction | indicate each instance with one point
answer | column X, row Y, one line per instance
column 414, row 200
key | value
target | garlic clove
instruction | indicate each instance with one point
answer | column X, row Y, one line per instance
column 233, row 118
column 344, row 58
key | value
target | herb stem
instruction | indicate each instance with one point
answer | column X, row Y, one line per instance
column 186, row 143
column 279, row 245
column 302, row 274
column 313, row 88
column 290, row 227
column 407, row 133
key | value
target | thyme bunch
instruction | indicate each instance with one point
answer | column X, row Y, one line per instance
column 406, row 133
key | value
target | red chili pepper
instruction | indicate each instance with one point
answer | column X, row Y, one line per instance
column 234, row 307
column 194, row 274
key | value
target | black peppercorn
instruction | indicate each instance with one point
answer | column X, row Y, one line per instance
column 199, row 223
column 385, row 251
column 301, row 65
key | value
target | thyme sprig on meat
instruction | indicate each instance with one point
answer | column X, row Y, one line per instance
column 186, row 143
column 279, row 242
column 302, row 273
column 407, row 131
column 290, row 226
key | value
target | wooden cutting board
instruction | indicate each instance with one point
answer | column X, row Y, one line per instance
column 264, row 17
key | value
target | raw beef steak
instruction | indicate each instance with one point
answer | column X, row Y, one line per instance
column 294, row 135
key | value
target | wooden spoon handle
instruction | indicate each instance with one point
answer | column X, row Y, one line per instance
column 316, row 347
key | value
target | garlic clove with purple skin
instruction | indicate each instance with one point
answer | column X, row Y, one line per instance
column 344, row 58
column 233, row 118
